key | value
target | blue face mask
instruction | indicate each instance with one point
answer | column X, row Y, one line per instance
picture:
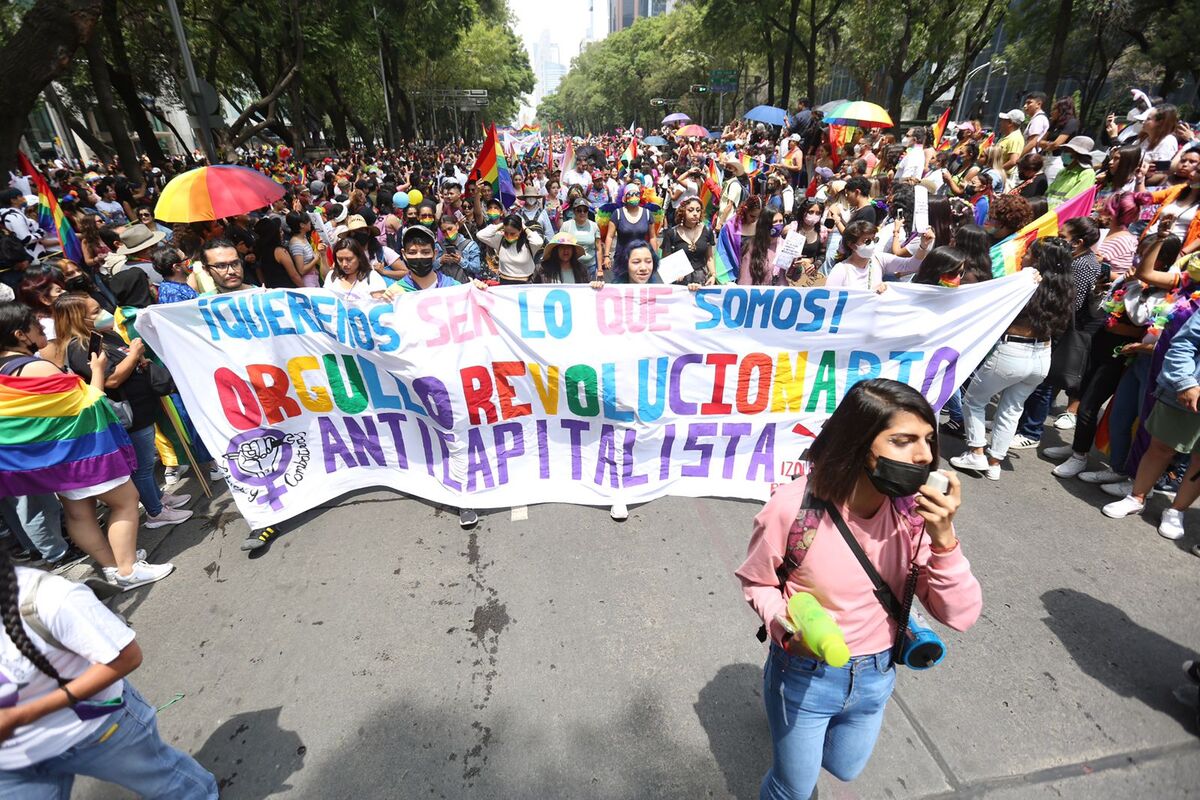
column 104, row 322
column 1068, row 159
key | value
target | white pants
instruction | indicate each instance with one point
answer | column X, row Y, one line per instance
column 1012, row 370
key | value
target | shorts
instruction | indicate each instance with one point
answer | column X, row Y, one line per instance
column 1178, row 428
column 93, row 491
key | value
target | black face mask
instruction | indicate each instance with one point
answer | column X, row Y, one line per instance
column 419, row 266
column 80, row 283
column 898, row 478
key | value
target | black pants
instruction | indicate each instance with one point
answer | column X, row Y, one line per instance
column 1104, row 372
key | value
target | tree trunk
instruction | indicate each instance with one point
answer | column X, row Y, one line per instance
column 183, row 145
column 39, row 52
column 1058, row 44
column 770, row 53
column 789, row 50
column 124, row 85
column 107, row 107
column 101, row 148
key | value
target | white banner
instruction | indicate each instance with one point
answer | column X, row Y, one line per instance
column 519, row 395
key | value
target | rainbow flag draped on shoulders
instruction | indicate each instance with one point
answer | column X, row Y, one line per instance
column 50, row 216
column 727, row 258
column 58, row 433
column 1007, row 254
column 710, row 192
column 491, row 166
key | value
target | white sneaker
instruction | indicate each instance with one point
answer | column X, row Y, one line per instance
column 1023, row 442
column 175, row 500
column 1073, row 466
column 1065, row 421
column 976, row 462
column 110, row 573
column 1102, row 476
column 1122, row 489
column 168, row 516
column 215, row 474
column 142, row 574
column 171, row 476
column 1171, row 526
column 619, row 512
column 1126, row 506
column 1058, row 452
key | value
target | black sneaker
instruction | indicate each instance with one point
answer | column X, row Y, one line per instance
column 954, row 427
column 260, row 538
column 467, row 518
column 69, row 559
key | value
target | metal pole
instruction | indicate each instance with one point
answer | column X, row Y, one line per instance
column 387, row 100
column 721, row 109
column 210, row 150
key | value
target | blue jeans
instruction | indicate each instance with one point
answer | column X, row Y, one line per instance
column 1126, row 406
column 1037, row 408
column 953, row 406
column 143, row 476
column 135, row 756
column 821, row 716
column 198, row 448
column 36, row 521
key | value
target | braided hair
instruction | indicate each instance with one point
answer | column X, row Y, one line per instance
column 10, row 612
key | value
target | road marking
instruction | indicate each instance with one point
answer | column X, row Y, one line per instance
column 519, row 513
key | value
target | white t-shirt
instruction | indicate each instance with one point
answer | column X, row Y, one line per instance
column 1165, row 150
column 360, row 290
column 94, row 635
column 912, row 165
column 1037, row 126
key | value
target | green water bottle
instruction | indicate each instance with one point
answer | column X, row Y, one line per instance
column 820, row 633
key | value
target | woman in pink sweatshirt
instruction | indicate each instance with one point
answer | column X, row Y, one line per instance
column 870, row 463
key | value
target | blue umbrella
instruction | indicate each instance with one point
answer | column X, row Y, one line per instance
column 768, row 114
column 654, row 140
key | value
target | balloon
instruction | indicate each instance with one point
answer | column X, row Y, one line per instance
column 400, row 200
column 415, row 197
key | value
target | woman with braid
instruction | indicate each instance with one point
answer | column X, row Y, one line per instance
column 65, row 706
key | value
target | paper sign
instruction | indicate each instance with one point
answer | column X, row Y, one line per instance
column 920, row 209
column 789, row 250
column 674, row 267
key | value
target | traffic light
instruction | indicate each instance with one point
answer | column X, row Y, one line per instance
column 699, row 88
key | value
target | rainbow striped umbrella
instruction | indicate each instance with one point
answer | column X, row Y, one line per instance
column 699, row 131
column 215, row 192
column 860, row 113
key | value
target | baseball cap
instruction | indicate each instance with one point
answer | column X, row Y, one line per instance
column 317, row 187
column 415, row 231
column 1016, row 116
column 795, row 137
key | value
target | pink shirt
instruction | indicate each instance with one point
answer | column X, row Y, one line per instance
column 1118, row 249
column 830, row 572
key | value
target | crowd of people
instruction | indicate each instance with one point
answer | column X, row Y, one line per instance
column 1111, row 323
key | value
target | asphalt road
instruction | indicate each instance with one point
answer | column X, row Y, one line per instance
column 378, row 651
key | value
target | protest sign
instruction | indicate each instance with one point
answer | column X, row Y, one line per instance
column 513, row 396
column 675, row 266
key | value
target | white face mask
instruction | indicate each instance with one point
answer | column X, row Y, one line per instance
column 907, row 141
column 865, row 250
column 812, row 219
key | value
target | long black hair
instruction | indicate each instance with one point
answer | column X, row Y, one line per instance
column 973, row 240
column 760, row 246
column 839, row 454
column 10, row 610
column 1048, row 312
column 940, row 261
column 514, row 221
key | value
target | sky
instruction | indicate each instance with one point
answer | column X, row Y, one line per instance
column 567, row 24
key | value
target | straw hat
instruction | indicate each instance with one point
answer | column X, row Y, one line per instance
column 561, row 240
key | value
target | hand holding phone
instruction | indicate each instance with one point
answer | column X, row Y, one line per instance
column 938, row 481
column 95, row 343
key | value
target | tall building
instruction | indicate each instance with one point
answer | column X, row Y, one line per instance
column 548, row 69
column 623, row 13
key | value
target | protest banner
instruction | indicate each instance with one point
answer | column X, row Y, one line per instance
column 512, row 396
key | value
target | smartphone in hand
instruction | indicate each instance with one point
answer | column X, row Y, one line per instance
column 95, row 342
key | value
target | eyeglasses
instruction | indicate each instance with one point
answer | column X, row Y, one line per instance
column 226, row 266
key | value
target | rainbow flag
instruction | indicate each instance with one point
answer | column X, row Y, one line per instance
column 58, row 433
column 50, row 216
column 751, row 165
column 491, row 166
column 839, row 136
column 568, row 157
column 986, row 143
column 710, row 192
column 939, row 127
column 727, row 259
column 1006, row 255
column 530, row 128
column 630, row 152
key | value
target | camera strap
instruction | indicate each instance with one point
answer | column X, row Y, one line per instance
column 883, row 593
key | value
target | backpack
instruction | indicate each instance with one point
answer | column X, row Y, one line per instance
column 29, row 614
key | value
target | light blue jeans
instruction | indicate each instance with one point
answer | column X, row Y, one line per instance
column 36, row 521
column 143, row 476
column 1012, row 370
column 821, row 716
column 135, row 756
column 1126, row 406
